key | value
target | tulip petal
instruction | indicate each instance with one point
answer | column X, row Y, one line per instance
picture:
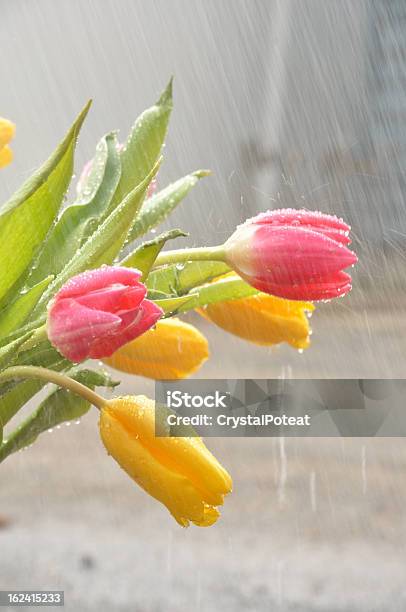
column 7, row 131
column 87, row 168
column 149, row 315
column 115, row 298
column 336, row 285
column 6, row 156
column 171, row 351
column 100, row 310
column 167, row 486
column 127, row 430
column 301, row 217
column 76, row 351
column 71, row 327
column 296, row 255
column 263, row 319
column 68, row 319
column 188, row 456
column 335, row 234
column 133, row 324
column 92, row 280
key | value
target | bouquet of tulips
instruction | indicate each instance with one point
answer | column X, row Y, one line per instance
column 78, row 282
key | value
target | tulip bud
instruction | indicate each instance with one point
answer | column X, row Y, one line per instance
column 7, row 131
column 98, row 311
column 171, row 351
column 263, row 319
column 293, row 254
column 6, row 156
column 179, row 472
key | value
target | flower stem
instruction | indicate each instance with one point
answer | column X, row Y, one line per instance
column 56, row 378
column 199, row 254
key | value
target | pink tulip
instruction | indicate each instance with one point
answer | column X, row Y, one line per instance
column 152, row 187
column 86, row 170
column 98, row 311
column 293, row 254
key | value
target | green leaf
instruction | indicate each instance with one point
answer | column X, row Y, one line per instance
column 93, row 378
column 29, row 214
column 13, row 317
column 81, row 219
column 196, row 273
column 180, row 278
column 143, row 146
column 172, row 306
column 144, row 256
column 58, row 407
column 43, row 354
column 156, row 208
column 158, row 295
column 9, row 352
column 14, row 394
column 105, row 152
column 33, row 326
column 104, row 245
column 223, row 290
column 220, row 291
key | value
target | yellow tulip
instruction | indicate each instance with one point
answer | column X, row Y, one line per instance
column 173, row 350
column 7, row 131
column 6, row 156
column 263, row 319
column 179, row 472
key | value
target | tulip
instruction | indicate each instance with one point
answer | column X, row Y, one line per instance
column 7, row 131
column 6, row 156
column 293, row 254
column 152, row 187
column 98, row 311
column 263, row 319
column 171, row 351
column 179, row 472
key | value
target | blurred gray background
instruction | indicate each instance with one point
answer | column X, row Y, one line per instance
column 290, row 102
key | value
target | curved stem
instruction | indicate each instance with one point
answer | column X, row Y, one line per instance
column 56, row 378
column 199, row 254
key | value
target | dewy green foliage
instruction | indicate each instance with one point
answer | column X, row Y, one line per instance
column 144, row 256
column 78, row 220
column 15, row 313
column 59, row 406
column 44, row 243
column 27, row 217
